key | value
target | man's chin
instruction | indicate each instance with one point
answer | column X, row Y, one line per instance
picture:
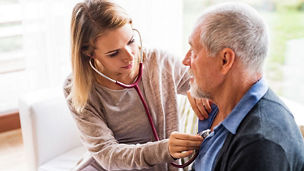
column 196, row 92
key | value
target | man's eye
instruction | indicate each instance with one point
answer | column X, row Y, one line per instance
column 191, row 53
column 114, row 54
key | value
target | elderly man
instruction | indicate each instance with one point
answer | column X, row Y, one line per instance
column 251, row 128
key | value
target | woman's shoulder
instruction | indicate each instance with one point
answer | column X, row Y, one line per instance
column 67, row 85
column 67, row 90
column 156, row 53
column 156, row 56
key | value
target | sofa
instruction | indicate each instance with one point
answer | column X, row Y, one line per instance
column 51, row 139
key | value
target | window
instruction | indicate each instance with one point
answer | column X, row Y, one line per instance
column 11, row 58
column 12, row 61
column 34, row 47
column 35, row 42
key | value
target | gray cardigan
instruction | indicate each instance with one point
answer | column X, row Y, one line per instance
column 268, row 139
column 163, row 78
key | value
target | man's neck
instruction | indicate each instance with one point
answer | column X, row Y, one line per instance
column 232, row 91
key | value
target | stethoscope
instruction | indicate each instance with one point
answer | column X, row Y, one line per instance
column 136, row 87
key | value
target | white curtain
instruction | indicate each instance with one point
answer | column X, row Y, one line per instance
column 47, row 40
column 160, row 22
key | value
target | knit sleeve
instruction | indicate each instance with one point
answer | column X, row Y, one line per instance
column 179, row 72
column 99, row 140
column 181, row 76
column 170, row 65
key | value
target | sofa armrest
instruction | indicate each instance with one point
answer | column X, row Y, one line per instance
column 48, row 128
column 296, row 109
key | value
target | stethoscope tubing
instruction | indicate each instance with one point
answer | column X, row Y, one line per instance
column 136, row 87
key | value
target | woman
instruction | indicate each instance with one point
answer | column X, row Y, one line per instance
column 112, row 119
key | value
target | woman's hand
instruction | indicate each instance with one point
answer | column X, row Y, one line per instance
column 182, row 145
column 201, row 107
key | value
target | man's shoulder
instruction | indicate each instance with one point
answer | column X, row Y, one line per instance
column 271, row 121
column 270, row 112
column 268, row 132
column 271, row 99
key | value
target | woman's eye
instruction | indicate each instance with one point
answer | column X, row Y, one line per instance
column 131, row 41
column 114, row 54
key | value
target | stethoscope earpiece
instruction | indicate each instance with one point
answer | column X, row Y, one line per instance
column 136, row 87
column 133, row 85
column 141, row 47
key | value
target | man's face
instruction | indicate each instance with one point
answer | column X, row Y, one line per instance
column 202, row 67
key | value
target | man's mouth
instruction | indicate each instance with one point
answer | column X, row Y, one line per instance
column 191, row 80
column 191, row 75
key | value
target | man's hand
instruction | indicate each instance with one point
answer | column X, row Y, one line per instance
column 201, row 107
column 182, row 145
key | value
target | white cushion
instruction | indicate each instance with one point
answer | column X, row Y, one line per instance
column 65, row 161
column 48, row 128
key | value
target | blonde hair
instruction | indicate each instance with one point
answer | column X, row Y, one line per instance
column 90, row 19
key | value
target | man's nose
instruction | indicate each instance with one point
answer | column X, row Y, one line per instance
column 187, row 59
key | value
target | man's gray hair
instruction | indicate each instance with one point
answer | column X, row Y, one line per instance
column 236, row 26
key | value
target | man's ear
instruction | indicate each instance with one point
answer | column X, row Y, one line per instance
column 227, row 57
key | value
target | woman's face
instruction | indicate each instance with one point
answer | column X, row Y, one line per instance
column 116, row 52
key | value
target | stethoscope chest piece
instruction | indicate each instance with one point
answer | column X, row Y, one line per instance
column 204, row 133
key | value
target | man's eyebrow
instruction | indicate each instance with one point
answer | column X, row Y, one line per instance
column 189, row 41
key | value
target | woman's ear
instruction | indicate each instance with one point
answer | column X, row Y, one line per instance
column 227, row 57
column 88, row 53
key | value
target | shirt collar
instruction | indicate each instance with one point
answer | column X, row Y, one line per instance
column 238, row 113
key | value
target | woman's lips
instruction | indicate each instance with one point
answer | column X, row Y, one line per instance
column 128, row 66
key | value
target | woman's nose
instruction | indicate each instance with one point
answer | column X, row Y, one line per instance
column 128, row 54
column 187, row 59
